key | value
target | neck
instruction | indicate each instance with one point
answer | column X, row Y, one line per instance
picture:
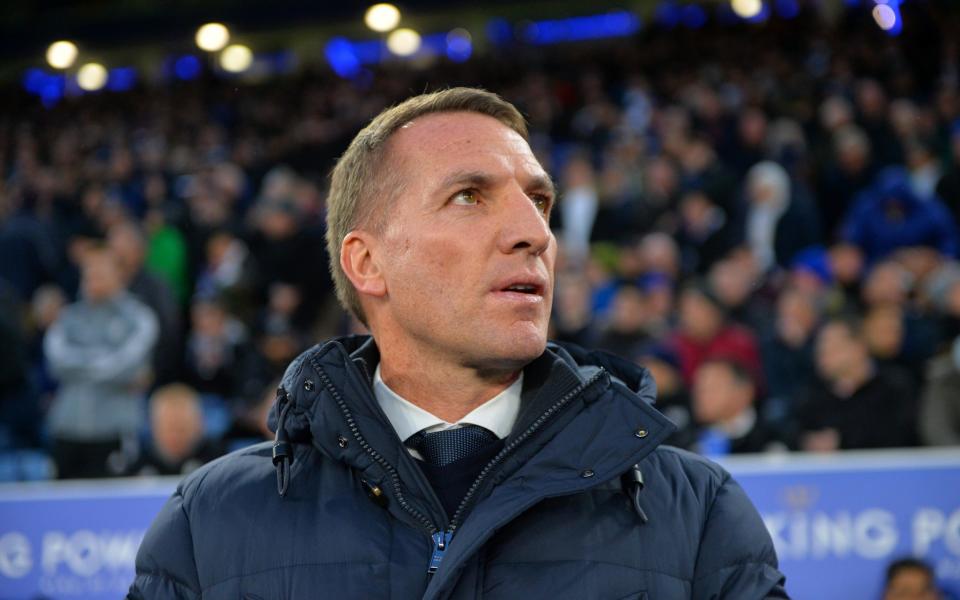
column 445, row 389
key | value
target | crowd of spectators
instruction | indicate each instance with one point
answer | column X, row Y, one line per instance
column 765, row 217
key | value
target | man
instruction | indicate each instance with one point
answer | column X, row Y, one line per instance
column 127, row 241
column 724, row 398
column 178, row 443
column 437, row 219
column 99, row 349
column 910, row 579
column 853, row 402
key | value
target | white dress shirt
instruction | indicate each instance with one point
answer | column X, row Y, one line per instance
column 497, row 414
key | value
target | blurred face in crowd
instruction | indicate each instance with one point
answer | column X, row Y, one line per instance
column 887, row 283
column 208, row 318
column 666, row 376
column 839, row 352
column 699, row 318
column 911, row 583
column 731, row 283
column 846, row 263
column 659, row 254
column 753, row 127
column 464, row 268
column 176, row 423
column 883, row 331
column 718, row 394
column 127, row 244
column 629, row 312
column 796, row 317
column 100, row 276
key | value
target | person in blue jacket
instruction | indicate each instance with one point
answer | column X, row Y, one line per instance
column 455, row 453
column 890, row 215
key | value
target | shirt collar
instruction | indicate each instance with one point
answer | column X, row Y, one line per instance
column 497, row 414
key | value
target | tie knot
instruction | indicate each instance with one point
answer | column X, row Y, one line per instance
column 440, row 448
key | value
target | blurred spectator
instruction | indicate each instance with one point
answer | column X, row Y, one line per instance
column 940, row 404
column 28, row 257
column 780, row 221
column 910, row 579
column 889, row 215
column 850, row 172
column 873, row 117
column 280, row 245
column 706, row 232
column 177, row 444
column 736, row 284
column 704, row 330
column 215, row 349
column 787, row 351
column 724, row 401
column 48, row 302
column 99, row 348
column 701, row 168
column 579, row 208
column 854, row 405
column 127, row 243
column 227, row 272
column 625, row 330
column 948, row 189
column 924, row 167
column 19, row 410
column 572, row 317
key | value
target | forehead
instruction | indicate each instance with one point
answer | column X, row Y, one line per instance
column 439, row 142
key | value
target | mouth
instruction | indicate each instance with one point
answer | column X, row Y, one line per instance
column 527, row 288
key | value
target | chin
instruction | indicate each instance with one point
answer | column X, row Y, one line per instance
column 526, row 343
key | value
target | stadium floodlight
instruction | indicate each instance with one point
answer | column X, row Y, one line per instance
column 212, row 37
column 747, row 9
column 62, row 54
column 236, row 58
column 382, row 17
column 887, row 15
column 404, row 42
column 92, row 77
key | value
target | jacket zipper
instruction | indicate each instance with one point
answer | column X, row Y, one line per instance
column 441, row 538
column 380, row 460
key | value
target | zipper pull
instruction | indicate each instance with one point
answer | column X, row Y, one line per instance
column 441, row 540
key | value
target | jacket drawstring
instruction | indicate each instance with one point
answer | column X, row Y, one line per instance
column 632, row 482
column 282, row 455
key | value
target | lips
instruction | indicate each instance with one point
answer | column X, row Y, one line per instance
column 525, row 284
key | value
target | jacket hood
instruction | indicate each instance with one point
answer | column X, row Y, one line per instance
column 893, row 183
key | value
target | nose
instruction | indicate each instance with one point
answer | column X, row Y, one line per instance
column 523, row 227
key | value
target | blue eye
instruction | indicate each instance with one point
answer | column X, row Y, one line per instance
column 465, row 198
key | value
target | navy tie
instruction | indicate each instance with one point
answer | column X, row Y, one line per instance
column 440, row 448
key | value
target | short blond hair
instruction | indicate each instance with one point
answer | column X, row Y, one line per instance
column 357, row 183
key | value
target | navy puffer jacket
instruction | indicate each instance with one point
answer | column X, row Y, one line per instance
column 582, row 502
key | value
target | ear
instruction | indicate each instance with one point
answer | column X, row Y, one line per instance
column 358, row 263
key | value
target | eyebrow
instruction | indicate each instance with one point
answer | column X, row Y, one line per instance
column 481, row 179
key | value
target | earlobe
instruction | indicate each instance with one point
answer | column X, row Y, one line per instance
column 357, row 259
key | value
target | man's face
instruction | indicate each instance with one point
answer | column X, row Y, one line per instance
column 837, row 351
column 100, row 277
column 911, row 584
column 717, row 394
column 467, row 254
